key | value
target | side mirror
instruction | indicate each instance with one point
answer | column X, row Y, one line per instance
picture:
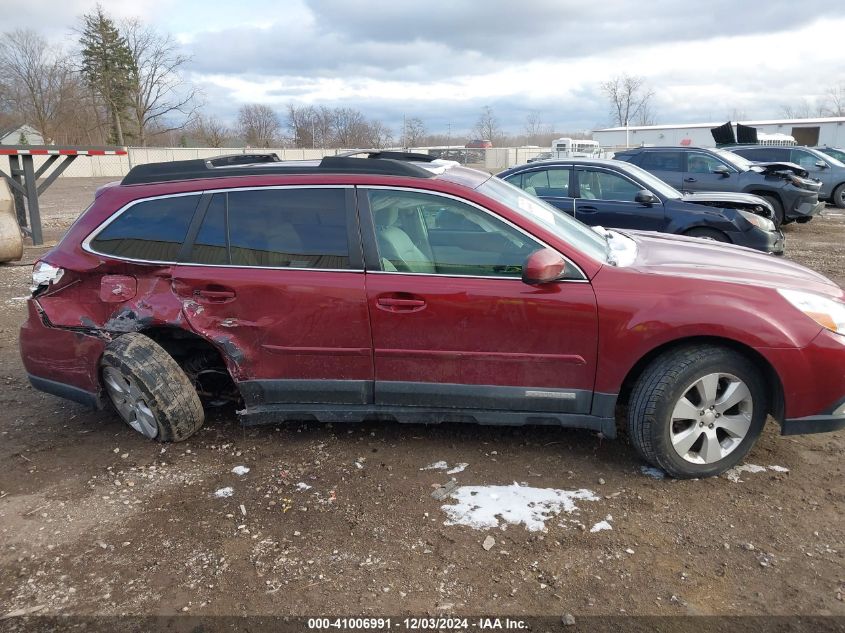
column 644, row 196
column 724, row 171
column 821, row 164
column 542, row 267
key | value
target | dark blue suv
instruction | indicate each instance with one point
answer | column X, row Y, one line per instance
column 614, row 194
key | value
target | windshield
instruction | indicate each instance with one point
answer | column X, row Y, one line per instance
column 568, row 228
column 651, row 181
column 736, row 160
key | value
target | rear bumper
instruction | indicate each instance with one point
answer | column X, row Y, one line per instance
column 60, row 361
column 66, row 391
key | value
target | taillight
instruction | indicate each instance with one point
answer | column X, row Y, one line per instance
column 43, row 276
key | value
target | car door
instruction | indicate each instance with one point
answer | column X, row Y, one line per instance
column 668, row 165
column 608, row 198
column 702, row 174
column 274, row 277
column 549, row 183
column 453, row 324
column 808, row 161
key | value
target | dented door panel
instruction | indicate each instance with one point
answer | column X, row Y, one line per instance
column 277, row 324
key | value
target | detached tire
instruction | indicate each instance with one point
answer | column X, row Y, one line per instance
column 697, row 410
column 149, row 390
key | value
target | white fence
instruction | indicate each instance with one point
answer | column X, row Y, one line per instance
column 492, row 160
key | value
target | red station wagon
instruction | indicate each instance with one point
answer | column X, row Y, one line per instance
column 398, row 287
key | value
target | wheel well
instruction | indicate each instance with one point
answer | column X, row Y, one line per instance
column 200, row 360
column 767, row 194
column 776, row 397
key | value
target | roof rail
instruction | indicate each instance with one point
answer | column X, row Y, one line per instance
column 385, row 163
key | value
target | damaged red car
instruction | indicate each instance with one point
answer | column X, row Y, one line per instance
column 397, row 287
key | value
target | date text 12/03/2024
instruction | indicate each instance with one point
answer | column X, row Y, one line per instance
column 416, row 624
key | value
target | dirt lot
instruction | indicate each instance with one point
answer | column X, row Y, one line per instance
column 94, row 519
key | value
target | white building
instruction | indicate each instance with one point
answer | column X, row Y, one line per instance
column 828, row 131
column 13, row 135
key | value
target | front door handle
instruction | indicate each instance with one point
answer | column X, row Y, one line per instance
column 587, row 209
column 690, row 180
column 397, row 304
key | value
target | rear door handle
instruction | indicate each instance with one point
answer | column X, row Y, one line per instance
column 215, row 295
column 587, row 209
column 690, row 180
column 396, row 304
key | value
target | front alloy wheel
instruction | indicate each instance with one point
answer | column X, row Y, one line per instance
column 696, row 410
column 711, row 418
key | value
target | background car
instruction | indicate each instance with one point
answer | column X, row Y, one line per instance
column 826, row 168
column 539, row 157
column 792, row 196
column 620, row 195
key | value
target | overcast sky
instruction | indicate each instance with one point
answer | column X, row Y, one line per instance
column 442, row 60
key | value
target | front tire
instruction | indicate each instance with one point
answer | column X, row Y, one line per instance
column 839, row 196
column 707, row 234
column 149, row 390
column 697, row 410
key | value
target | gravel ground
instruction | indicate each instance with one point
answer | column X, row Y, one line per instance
column 96, row 520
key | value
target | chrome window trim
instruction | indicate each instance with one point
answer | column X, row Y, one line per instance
column 86, row 243
column 365, row 188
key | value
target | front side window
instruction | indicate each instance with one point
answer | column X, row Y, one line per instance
column 603, row 185
column 275, row 228
column 425, row 233
column 703, row 164
column 805, row 159
column 150, row 230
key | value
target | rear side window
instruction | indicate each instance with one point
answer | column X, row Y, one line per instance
column 661, row 161
column 275, row 228
column 151, row 230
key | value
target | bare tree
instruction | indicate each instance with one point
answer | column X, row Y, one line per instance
column 350, row 128
column 802, row 109
column 379, row 135
column 487, row 126
column 36, row 80
column 414, row 132
column 834, row 102
column 630, row 99
column 156, row 91
column 301, row 122
column 210, row 131
column 258, row 124
column 536, row 130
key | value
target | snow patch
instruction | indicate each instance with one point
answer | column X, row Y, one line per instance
column 651, row 471
column 481, row 507
column 734, row 473
column 602, row 525
column 228, row 491
column 441, row 465
column 240, row 470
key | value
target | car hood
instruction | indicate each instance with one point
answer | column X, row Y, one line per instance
column 662, row 254
column 784, row 166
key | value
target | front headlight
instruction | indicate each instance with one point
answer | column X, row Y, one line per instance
column 758, row 220
column 825, row 311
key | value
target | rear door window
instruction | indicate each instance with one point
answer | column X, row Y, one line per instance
column 545, row 183
column 150, row 230
column 275, row 228
column 662, row 161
